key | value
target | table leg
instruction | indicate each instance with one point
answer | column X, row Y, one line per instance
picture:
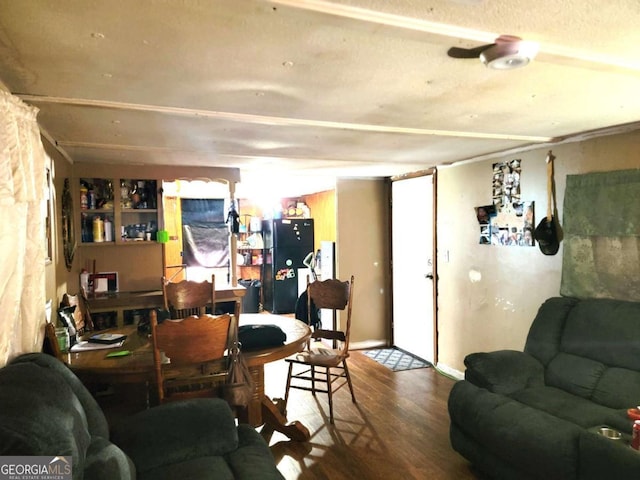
column 262, row 411
column 278, row 422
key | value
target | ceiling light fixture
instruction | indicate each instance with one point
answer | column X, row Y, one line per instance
column 509, row 55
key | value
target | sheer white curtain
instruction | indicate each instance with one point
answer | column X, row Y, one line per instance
column 22, row 250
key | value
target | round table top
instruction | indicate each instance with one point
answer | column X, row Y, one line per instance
column 139, row 363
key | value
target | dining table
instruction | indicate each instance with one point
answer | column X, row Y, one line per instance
column 135, row 366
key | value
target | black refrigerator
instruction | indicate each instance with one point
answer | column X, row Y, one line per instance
column 286, row 244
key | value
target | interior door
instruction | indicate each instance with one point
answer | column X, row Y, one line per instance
column 413, row 266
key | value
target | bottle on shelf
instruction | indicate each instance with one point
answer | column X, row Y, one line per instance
column 125, row 199
column 98, row 229
column 142, row 189
column 84, row 200
column 108, row 230
column 135, row 195
column 87, row 228
column 91, row 199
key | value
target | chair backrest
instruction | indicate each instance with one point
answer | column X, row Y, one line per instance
column 50, row 344
column 81, row 315
column 333, row 294
column 187, row 297
column 191, row 341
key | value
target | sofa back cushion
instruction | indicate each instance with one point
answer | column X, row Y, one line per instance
column 574, row 374
column 618, row 388
column 40, row 415
column 543, row 340
column 607, row 331
column 591, row 348
column 96, row 421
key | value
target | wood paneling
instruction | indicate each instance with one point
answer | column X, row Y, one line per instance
column 173, row 248
column 323, row 212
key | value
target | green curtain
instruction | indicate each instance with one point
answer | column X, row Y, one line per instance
column 601, row 256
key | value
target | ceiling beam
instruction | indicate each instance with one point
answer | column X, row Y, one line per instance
column 278, row 121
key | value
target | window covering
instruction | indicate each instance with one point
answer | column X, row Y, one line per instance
column 601, row 256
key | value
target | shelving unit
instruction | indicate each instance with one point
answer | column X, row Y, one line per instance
column 138, row 210
column 119, row 215
column 250, row 247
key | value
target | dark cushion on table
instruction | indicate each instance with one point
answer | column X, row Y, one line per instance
column 256, row 337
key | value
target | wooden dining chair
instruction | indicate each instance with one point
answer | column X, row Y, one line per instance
column 322, row 363
column 187, row 297
column 50, row 344
column 81, row 315
column 189, row 355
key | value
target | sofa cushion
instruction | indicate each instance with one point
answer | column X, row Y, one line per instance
column 199, row 427
column 618, row 388
column 105, row 461
column 543, row 339
column 96, row 421
column 201, row 468
column 603, row 458
column 572, row 408
column 576, row 375
column 252, row 459
column 528, row 439
column 41, row 415
column 606, row 331
column 503, row 371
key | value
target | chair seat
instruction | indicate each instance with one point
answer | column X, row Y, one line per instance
column 323, row 357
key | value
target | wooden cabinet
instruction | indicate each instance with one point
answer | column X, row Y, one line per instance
column 117, row 211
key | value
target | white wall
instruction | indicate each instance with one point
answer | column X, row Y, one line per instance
column 496, row 312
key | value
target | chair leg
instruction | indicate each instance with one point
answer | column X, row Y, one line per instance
column 330, row 393
column 346, row 371
column 286, row 392
column 313, row 380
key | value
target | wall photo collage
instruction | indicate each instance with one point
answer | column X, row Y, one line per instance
column 508, row 220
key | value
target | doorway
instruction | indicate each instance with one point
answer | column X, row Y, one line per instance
column 413, row 263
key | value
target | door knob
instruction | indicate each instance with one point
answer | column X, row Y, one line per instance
column 429, row 276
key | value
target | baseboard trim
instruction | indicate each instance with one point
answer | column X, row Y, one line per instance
column 450, row 372
column 367, row 345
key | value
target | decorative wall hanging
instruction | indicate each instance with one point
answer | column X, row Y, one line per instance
column 506, row 182
column 509, row 220
column 510, row 225
column 68, row 236
column 601, row 255
column 548, row 233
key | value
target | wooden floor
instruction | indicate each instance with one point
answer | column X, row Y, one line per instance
column 399, row 428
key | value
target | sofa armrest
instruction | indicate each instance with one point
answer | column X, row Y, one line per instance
column 176, row 432
column 253, row 458
column 503, row 371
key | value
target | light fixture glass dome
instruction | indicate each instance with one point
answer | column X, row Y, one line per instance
column 509, row 55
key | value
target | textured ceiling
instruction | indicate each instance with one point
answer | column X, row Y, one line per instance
column 314, row 88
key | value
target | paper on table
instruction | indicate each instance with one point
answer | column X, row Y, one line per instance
column 85, row 346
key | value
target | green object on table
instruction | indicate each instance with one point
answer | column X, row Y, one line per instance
column 121, row 353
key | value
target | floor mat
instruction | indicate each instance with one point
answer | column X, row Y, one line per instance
column 396, row 359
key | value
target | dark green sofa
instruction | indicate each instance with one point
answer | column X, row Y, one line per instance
column 534, row 414
column 46, row 411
